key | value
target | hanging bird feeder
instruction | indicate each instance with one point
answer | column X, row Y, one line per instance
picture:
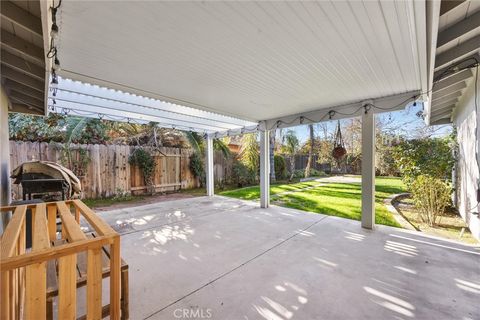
column 339, row 150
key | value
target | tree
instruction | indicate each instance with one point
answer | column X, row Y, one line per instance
column 308, row 168
column 197, row 143
column 291, row 146
column 429, row 156
column 55, row 128
column 324, row 144
column 272, row 155
column 249, row 153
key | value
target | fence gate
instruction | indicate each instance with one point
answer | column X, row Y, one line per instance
column 167, row 175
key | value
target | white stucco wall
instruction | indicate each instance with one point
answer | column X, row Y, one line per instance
column 466, row 120
column 4, row 154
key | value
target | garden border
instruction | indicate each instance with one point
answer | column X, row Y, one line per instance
column 397, row 215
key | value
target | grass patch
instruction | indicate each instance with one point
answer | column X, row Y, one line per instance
column 336, row 199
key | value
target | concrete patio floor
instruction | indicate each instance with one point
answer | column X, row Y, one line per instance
column 221, row 258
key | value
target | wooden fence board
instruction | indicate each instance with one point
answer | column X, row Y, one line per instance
column 109, row 171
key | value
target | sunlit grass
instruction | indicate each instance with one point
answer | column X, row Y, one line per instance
column 336, row 199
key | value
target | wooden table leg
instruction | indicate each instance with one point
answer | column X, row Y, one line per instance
column 124, row 299
column 49, row 308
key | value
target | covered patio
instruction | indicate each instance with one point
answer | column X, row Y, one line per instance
column 228, row 68
column 233, row 260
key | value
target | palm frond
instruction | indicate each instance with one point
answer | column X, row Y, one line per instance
column 74, row 128
column 220, row 145
column 291, row 142
column 195, row 141
column 249, row 153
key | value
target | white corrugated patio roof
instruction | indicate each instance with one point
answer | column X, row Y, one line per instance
column 217, row 66
column 83, row 99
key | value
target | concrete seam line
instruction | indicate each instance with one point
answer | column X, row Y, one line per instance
column 237, row 267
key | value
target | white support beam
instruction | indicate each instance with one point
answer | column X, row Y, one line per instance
column 264, row 169
column 368, row 170
column 5, row 184
column 209, row 168
column 432, row 16
column 466, row 48
column 46, row 19
column 459, row 29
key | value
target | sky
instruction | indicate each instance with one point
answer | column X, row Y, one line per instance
column 404, row 123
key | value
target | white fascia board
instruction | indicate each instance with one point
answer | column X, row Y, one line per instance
column 432, row 19
column 46, row 16
column 236, row 132
column 423, row 41
column 383, row 104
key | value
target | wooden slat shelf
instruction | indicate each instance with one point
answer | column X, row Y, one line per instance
column 60, row 262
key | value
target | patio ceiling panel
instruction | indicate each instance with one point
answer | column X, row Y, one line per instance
column 249, row 60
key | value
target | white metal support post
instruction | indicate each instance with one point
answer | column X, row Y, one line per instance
column 264, row 169
column 209, row 167
column 368, row 169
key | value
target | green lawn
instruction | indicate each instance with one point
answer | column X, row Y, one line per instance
column 336, row 199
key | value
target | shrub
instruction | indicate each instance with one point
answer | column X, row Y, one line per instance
column 280, row 167
column 197, row 167
column 145, row 161
column 298, row 174
column 317, row 173
column 431, row 196
column 122, row 195
column 430, row 156
column 241, row 175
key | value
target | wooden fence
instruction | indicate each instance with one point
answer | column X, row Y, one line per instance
column 108, row 172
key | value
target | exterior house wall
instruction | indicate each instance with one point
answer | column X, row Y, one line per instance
column 466, row 120
column 4, row 155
